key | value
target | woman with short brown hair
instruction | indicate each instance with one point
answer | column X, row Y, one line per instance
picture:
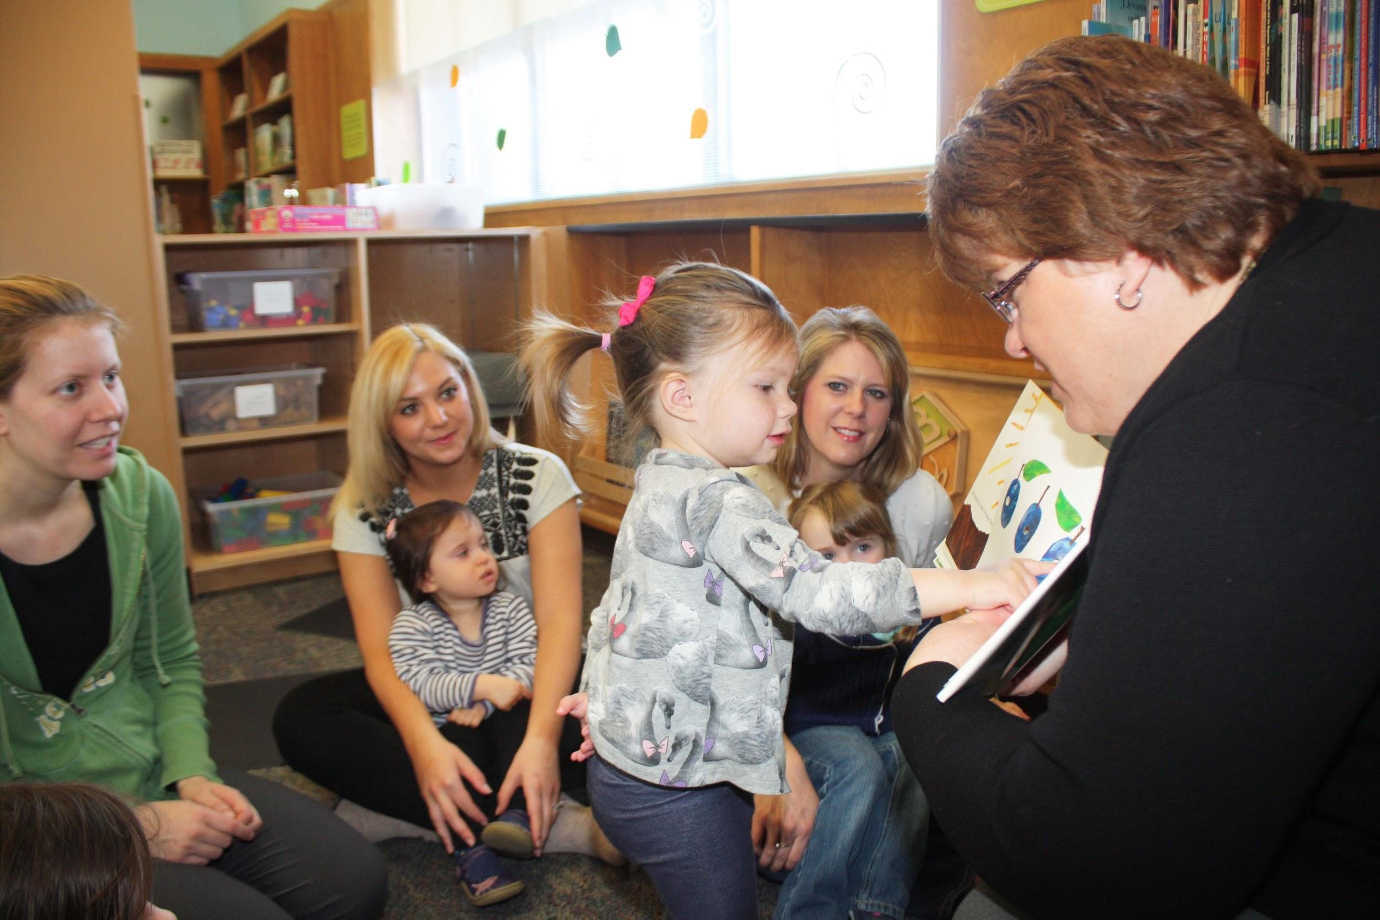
column 1209, row 749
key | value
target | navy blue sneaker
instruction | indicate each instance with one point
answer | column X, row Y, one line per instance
column 483, row 878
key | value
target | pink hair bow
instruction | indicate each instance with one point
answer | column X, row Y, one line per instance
column 628, row 312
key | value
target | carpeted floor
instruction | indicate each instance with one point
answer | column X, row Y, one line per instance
column 259, row 642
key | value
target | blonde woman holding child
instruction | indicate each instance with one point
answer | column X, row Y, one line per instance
column 852, row 831
column 419, row 431
column 689, row 651
column 467, row 648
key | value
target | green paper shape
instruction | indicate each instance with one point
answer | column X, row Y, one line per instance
column 163, row 120
column 147, row 104
column 612, row 44
column 1032, row 469
column 502, row 136
column 1064, row 512
column 407, row 171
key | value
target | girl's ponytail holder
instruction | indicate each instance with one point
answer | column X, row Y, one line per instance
column 628, row 312
column 391, row 529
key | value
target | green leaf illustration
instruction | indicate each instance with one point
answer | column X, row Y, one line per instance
column 1032, row 469
column 1065, row 513
column 612, row 44
column 502, row 136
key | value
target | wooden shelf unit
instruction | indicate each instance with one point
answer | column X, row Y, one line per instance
column 475, row 285
column 298, row 43
column 191, row 194
column 877, row 253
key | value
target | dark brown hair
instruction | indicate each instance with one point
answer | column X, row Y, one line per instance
column 695, row 309
column 28, row 303
column 897, row 455
column 415, row 533
column 1092, row 146
column 70, row 851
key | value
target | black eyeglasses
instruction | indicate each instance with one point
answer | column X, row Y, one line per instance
column 996, row 298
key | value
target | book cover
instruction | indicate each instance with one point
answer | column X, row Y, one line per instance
column 1123, row 12
column 1034, row 493
column 1019, row 645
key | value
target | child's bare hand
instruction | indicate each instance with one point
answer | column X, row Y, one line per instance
column 1005, row 586
column 577, row 706
column 504, row 692
column 468, row 716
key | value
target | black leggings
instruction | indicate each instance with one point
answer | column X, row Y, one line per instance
column 333, row 730
column 305, row 863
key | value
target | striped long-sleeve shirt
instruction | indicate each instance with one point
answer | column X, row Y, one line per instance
column 440, row 666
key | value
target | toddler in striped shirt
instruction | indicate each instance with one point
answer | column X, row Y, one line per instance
column 467, row 650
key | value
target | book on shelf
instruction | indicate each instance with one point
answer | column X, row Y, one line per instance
column 1310, row 68
column 1033, row 497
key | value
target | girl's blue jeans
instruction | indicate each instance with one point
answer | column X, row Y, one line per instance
column 695, row 844
column 868, row 840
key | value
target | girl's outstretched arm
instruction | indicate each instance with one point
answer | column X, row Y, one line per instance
column 946, row 590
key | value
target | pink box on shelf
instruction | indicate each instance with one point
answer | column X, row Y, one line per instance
column 298, row 218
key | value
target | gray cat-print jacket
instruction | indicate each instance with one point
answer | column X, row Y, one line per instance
column 688, row 665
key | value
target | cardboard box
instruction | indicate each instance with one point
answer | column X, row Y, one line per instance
column 301, row 218
column 173, row 159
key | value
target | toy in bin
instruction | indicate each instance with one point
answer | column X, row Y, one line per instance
column 260, row 298
column 243, row 515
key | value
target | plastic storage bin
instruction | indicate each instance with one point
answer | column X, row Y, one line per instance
column 249, row 399
column 268, row 297
column 273, row 520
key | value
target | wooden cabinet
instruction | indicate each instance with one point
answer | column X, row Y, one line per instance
column 474, row 285
column 283, row 71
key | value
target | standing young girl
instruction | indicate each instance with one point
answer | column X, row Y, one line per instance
column 838, row 717
column 467, row 651
column 687, row 664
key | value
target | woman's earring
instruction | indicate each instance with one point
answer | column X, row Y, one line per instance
column 1140, row 295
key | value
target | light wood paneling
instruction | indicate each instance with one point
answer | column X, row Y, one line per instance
column 74, row 183
column 351, row 22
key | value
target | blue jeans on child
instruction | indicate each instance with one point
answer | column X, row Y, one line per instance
column 695, row 844
column 869, row 836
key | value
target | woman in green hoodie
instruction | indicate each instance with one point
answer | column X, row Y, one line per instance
column 100, row 680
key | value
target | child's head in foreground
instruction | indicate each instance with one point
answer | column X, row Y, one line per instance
column 440, row 552
column 693, row 319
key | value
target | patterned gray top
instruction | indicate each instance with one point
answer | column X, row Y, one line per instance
column 688, row 667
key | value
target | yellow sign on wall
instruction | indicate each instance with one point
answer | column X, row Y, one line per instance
column 354, row 130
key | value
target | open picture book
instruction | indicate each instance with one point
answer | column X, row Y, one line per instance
column 1033, row 497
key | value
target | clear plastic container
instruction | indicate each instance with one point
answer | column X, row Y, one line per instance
column 273, row 520
column 262, row 297
column 426, row 206
column 244, row 400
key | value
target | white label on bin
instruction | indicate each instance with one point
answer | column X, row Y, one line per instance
column 272, row 298
column 255, row 400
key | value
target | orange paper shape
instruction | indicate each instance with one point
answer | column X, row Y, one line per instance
column 699, row 124
column 454, row 75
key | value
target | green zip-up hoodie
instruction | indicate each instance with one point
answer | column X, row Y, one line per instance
column 136, row 723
